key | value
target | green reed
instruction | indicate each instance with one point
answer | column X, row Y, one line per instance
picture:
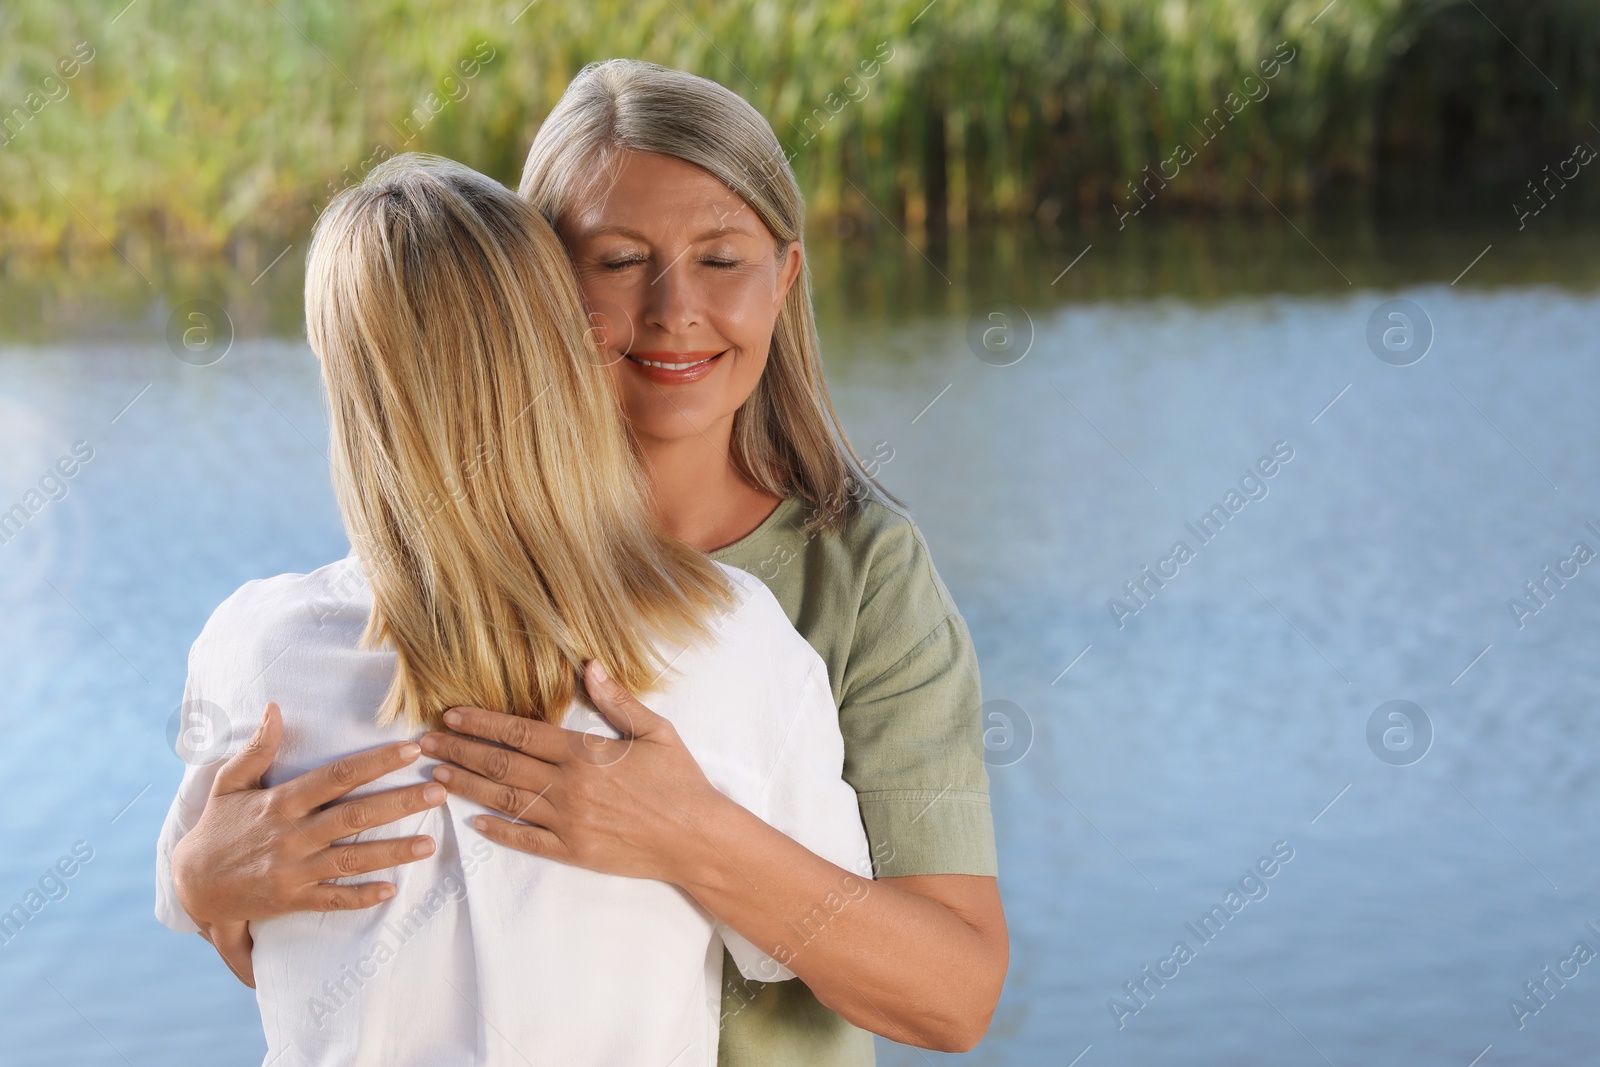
column 201, row 124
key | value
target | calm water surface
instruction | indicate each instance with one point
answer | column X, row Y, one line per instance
column 1145, row 757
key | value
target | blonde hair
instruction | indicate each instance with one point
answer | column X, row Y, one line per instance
column 479, row 456
column 787, row 438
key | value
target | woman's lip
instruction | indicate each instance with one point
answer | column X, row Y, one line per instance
column 683, row 366
column 674, row 357
column 652, row 359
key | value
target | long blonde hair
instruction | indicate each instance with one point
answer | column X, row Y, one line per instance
column 787, row 438
column 479, row 456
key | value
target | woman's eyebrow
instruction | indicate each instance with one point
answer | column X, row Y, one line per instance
column 723, row 231
column 628, row 231
column 620, row 231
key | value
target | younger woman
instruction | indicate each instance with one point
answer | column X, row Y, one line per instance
column 501, row 542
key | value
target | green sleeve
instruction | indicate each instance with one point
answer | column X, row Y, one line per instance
column 910, row 708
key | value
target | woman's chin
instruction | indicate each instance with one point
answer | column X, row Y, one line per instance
column 659, row 423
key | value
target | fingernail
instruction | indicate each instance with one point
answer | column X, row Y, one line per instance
column 435, row 794
column 421, row 848
column 481, row 823
column 430, row 743
column 410, row 750
column 386, row 892
column 452, row 718
column 599, row 670
column 441, row 774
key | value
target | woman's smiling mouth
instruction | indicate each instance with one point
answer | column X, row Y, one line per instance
column 674, row 367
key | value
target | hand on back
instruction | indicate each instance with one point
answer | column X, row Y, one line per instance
column 259, row 852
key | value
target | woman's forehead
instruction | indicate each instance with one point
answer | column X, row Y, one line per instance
column 651, row 195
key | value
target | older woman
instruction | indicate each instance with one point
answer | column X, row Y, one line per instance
column 684, row 221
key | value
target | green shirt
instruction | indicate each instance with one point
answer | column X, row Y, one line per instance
column 905, row 678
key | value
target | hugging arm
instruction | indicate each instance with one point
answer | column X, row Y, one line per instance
column 918, row 959
column 232, row 851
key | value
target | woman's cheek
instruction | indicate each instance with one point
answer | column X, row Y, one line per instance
column 611, row 328
column 745, row 312
column 746, row 375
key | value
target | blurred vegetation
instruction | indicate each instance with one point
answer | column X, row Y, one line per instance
column 227, row 126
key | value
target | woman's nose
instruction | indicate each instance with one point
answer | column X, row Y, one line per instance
column 671, row 299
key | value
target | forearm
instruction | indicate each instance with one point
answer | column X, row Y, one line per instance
column 887, row 959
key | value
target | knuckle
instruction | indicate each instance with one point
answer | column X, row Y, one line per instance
column 516, row 731
column 497, row 765
column 347, row 860
column 353, row 816
column 324, row 902
column 343, row 772
column 271, row 807
column 509, row 799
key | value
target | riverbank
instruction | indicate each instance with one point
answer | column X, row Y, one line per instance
column 883, row 278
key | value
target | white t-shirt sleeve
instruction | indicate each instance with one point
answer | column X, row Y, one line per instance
column 806, row 797
column 206, row 735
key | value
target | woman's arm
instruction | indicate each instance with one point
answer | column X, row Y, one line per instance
column 920, row 960
column 255, row 853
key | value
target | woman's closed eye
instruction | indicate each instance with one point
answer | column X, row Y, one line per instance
column 624, row 262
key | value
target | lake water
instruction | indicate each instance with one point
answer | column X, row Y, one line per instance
column 1145, row 757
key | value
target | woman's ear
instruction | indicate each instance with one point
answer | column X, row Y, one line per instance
column 790, row 258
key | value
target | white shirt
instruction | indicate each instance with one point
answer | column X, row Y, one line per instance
column 487, row 955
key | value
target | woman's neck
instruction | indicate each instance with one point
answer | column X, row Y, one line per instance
column 699, row 495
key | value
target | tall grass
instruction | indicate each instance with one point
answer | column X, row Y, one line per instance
column 208, row 123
